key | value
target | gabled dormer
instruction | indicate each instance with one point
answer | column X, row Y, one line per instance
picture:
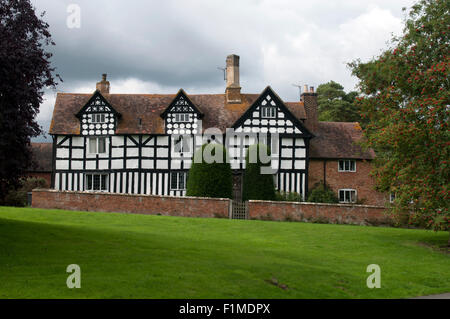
column 181, row 116
column 269, row 114
column 97, row 116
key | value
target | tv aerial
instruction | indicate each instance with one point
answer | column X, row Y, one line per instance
column 224, row 70
column 299, row 89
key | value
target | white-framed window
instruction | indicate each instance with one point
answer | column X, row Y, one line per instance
column 391, row 197
column 182, row 144
column 178, row 180
column 97, row 145
column 96, row 182
column 268, row 111
column 347, row 196
column 182, row 117
column 347, row 166
column 98, row 118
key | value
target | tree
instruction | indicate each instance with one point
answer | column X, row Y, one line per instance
column 18, row 197
column 25, row 71
column 210, row 178
column 335, row 105
column 257, row 185
column 406, row 101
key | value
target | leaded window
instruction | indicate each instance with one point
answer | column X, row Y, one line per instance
column 182, row 117
column 98, row 118
column 96, row 182
column 178, row 180
column 268, row 111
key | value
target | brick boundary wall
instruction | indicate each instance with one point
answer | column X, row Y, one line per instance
column 131, row 203
column 318, row 212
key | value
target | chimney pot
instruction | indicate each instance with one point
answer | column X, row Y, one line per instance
column 305, row 88
column 311, row 89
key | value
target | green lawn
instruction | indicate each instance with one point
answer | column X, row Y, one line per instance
column 137, row 256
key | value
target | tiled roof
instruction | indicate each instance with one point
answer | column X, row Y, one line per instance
column 338, row 140
column 42, row 157
column 148, row 107
column 332, row 139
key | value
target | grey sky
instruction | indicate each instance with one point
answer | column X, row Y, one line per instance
column 161, row 46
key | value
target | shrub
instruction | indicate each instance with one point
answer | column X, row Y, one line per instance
column 210, row 179
column 322, row 194
column 257, row 185
column 18, row 197
column 288, row 196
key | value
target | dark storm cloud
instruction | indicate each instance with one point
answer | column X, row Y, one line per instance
column 153, row 42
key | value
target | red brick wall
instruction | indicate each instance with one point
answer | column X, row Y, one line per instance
column 127, row 203
column 359, row 180
column 314, row 212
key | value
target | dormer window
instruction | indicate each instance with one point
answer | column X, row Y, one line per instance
column 98, row 118
column 182, row 117
column 268, row 111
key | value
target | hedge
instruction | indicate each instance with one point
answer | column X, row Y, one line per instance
column 210, row 179
column 257, row 185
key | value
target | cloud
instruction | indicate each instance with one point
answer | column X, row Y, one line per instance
column 161, row 46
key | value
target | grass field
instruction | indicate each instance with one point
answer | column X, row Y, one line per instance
column 138, row 256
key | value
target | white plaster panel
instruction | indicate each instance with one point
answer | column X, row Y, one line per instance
column 286, row 152
column 148, row 164
column 287, row 164
column 90, row 165
column 77, row 164
column 299, row 164
column 132, row 151
column 62, row 152
column 117, row 152
column 62, row 164
column 299, row 142
column 78, row 141
column 132, row 163
column 300, row 152
column 161, row 164
column 77, row 153
column 103, row 164
column 148, row 151
column 117, row 140
column 162, row 152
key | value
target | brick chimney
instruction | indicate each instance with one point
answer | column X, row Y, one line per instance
column 103, row 85
column 309, row 99
column 233, row 90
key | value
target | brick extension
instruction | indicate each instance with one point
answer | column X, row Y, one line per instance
column 359, row 180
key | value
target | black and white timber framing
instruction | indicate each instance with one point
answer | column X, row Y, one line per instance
column 148, row 163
